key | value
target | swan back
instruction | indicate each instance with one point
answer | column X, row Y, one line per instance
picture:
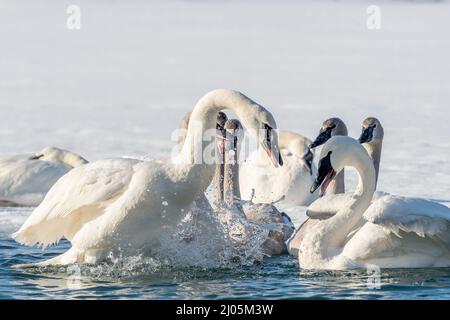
column 297, row 144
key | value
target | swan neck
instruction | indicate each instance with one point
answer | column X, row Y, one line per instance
column 201, row 130
column 231, row 181
column 374, row 151
column 218, row 183
column 74, row 160
column 350, row 214
column 328, row 237
column 199, row 154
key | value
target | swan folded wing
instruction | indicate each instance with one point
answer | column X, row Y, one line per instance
column 76, row 198
column 423, row 217
column 325, row 207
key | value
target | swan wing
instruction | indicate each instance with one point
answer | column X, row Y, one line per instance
column 78, row 197
column 421, row 216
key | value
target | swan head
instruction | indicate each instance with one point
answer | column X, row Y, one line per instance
column 221, row 132
column 263, row 126
column 56, row 155
column 330, row 128
column 372, row 131
column 338, row 152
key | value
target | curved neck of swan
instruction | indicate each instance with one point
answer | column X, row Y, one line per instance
column 218, row 182
column 198, row 156
column 203, row 120
column 348, row 216
column 335, row 230
column 231, row 187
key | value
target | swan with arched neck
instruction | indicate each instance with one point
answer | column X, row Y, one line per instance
column 397, row 232
column 123, row 205
column 327, row 205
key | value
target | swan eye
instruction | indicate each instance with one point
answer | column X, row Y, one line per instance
column 374, row 126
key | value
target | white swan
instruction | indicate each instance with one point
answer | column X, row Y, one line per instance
column 267, row 215
column 326, row 206
column 393, row 232
column 372, row 136
column 289, row 185
column 26, row 179
column 123, row 205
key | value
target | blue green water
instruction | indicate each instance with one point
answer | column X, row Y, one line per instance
column 275, row 278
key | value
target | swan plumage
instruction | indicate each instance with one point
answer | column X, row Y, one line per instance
column 402, row 214
column 371, row 137
column 289, row 185
column 124, row 204
column 391, row 232
column 25, row 179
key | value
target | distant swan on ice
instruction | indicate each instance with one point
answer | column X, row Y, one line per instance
column 392, row 232
column 26, row 179
column 123, row 205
